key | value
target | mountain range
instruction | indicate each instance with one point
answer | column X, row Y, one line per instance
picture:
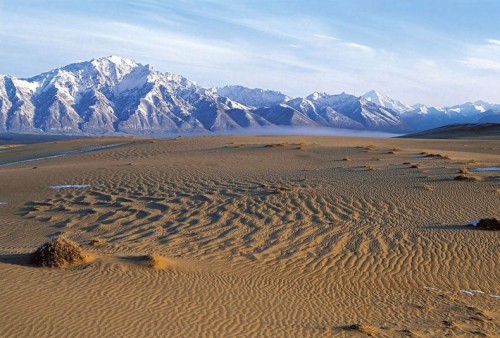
column 117, row 95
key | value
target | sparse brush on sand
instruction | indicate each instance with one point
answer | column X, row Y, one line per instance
column 157, row 261
column 362, row 328
column 96, row 242
column 492, row 224
column 464, row 170
column 462, row 177
column 59, row 252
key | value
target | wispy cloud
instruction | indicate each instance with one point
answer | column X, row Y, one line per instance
column 357, row 46
column 326, row 37
column 493, row 41
column 485, row 56
column 481, row 63
column 300, row 49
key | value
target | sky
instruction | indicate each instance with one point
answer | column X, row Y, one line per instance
column 435, row 52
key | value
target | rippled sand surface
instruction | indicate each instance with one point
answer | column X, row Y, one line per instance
column 289, row 236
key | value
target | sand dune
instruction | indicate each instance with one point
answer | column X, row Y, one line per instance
column 262, row 236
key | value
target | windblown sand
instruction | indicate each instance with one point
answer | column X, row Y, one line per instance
column 253, row 236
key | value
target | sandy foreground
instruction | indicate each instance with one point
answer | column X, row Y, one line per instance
column 288, row 236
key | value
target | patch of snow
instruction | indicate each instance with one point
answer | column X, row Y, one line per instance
column 31, row 85
column 71, row 152
column 66, row 186
column 480, row 109
column 386, row 102
column 486, row 169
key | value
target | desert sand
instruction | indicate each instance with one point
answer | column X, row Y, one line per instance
column 284, row 236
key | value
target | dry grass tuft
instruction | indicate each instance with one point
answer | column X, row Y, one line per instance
column 272, row 145
column 157, row 261
column 59, row 252
column 465, row 178
column 96, row 242
column 464, row 170
column 491, row 224
column 415, row 166
column 346, row 159
column 368, row 166
column 362, row 328
column 427, row 187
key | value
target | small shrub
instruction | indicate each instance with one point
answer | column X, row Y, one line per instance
column 464, row 170
column 59, row 252
column 96, row 242
column 488, row 224
column 157, row 261
column 362, row 328
column 465, row 178
column 346, row 159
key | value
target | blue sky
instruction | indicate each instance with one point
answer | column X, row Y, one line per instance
column 437, row 52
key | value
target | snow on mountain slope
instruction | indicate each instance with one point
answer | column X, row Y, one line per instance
column 115, row 94
column 359, row 110
column 252, row 97
column 386, row 102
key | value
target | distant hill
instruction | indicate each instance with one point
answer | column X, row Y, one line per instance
column 15, row 138
column 465, row 130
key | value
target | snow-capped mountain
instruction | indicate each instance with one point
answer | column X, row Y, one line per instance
column 252, row 97
column 386, row 102
column 114, row 94
column 424, row 117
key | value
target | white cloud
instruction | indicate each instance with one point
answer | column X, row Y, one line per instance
column 357, row 46
column 493, row 42
column 484, row 56
column 326, row 37
column 481, row 63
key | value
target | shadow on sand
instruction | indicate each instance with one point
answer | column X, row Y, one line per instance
column 17, row 259
column 454, row 227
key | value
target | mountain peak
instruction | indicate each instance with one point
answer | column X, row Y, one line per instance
column 316, row 96
column 385, row 101
column 115, row 59
column 253, row 97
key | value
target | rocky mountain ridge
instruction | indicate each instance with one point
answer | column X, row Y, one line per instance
column 117, row 95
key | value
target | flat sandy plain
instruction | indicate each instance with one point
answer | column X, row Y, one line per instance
column 289, row 236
